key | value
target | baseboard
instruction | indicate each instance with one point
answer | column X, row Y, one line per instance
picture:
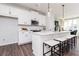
column 24, row 43
column 8, row 44
column 14, row 43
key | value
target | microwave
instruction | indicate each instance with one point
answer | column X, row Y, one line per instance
column 34, row 22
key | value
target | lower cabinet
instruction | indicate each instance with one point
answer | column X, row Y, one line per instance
column 24, row 37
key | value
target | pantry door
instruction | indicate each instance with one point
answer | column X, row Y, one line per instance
column 8, row 30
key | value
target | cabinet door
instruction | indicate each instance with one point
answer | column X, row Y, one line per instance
column 39, row 17
column 8, row 31
column 24, row 18
column 14, row 12
column 28, row 37
column 4, row 10
column 34, row 16
column 42, row 20
column 24, row 37
column 21, row 39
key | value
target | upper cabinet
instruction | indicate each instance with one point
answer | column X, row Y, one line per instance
column 24, row 18
column 7, row 10
column 13, row 11
column 34, row 15
column 4, row 10
column 38, row 17
column 42, row 20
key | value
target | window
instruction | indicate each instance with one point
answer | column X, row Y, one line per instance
column 70, row 24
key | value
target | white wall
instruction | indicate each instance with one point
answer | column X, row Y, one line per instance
column 8, row 31
column 71, row 10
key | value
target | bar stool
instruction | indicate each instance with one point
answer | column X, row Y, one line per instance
column 73, row 40
column 54, row 47
column 64, row 44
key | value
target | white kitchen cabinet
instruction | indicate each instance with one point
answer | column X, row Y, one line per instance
column 24, row 37
column 4, row 10
column 39, row 17
column 7, row 10
column 42, row 20
column 24, row 18
column 34, row 15
column 13, row 11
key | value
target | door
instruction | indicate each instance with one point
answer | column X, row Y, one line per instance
column 8, row 31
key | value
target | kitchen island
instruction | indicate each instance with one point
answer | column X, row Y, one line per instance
column 39, row 37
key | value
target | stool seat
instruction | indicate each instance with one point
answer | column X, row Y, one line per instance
column 70, row 36
column 65, row 38
column 51, row 42
column 61, row 39
column 54, row 47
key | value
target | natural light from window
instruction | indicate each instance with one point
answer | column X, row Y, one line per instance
column 70, row 24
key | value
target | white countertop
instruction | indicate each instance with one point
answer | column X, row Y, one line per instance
column 48, row 32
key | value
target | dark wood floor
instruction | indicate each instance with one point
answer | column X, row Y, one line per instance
column 15, row 50
column 26, row 50
column 75, row 51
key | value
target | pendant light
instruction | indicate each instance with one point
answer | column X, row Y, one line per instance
column 63, row 11
column 48, row 9
column 62, row 18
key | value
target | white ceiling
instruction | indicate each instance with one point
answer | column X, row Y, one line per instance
column 56, row 8
column 37, row 6
column 43, row 7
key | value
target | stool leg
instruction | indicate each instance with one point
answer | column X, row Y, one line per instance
column 71, row 43
column 75, row 43
column 51, row 52
column 60, row 49
column 43, row 50
column 54, row 51
column 68, row 45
